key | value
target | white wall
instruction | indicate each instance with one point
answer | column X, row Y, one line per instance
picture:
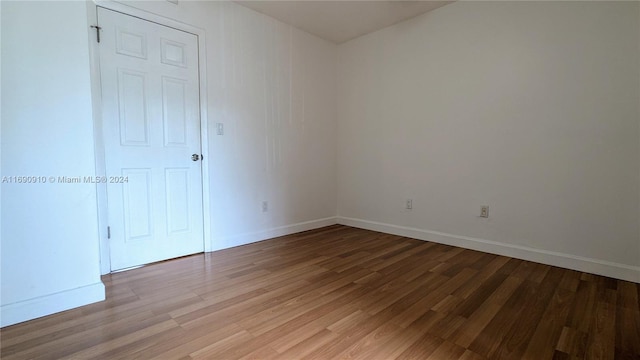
column 49, row 257
column 528, row 107
column 273, row 87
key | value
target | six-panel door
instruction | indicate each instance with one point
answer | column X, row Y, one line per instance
column 151, row 127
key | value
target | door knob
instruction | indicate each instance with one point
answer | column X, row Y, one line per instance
column 195, row 157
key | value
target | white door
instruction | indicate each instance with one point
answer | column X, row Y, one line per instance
column 151, row 128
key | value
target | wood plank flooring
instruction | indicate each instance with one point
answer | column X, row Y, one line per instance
column 340, row 292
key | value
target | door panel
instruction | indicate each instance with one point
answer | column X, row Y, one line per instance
column 137, row 209
column 174, row 112
column 134, row 127
column 177, row 194
column 151, row 127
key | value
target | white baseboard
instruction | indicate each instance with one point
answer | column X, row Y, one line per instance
column 247, row 238
column 49, row 304
column 594, row 266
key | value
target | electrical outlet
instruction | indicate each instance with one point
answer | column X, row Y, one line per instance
column 265, row 206
column 408, row 204
column 484, row 211
column 220, row 128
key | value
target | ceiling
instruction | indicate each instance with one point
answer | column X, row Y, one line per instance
column 341, row 20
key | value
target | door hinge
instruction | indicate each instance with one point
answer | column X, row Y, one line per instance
column 98, row 28
column 108, row 232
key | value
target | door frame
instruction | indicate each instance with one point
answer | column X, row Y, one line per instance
column 96, row 98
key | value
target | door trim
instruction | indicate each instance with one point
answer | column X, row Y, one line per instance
column 96, row 97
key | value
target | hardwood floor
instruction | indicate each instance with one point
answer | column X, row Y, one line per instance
column 341, row 292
